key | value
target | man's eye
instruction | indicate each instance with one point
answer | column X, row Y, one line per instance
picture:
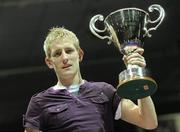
column 56, row 54
column 68, row 51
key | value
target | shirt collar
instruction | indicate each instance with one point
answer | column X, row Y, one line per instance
column 58, row 87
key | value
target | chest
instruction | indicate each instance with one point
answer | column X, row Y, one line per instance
column 75, row 111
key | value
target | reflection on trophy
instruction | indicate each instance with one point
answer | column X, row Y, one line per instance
column 127, row 28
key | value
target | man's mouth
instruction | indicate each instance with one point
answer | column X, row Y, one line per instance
column 66, row 66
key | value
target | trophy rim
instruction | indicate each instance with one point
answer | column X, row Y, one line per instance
column 131, row 8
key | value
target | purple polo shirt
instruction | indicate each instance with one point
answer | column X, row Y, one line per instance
column 92, row 110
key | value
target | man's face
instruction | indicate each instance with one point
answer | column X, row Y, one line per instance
column 64, row 58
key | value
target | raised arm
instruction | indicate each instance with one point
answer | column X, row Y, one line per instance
column 142, row 115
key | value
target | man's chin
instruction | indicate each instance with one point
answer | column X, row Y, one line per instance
column 67, row 74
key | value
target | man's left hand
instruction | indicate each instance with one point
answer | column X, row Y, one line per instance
column 134, row 57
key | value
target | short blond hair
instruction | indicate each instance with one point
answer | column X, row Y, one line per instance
column 59, row 33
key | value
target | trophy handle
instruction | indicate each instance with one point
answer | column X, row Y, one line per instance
column 159, row 19
column 95, row 30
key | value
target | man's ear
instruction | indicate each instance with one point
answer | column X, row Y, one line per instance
column 81, row 54
column 49, row 62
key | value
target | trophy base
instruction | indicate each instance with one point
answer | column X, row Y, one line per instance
column 136, row 87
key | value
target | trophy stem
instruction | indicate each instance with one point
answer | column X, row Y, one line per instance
column 130, row 66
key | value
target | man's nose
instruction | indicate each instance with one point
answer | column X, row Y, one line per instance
column 64, row 57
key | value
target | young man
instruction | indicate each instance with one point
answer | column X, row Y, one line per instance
column 76, row 105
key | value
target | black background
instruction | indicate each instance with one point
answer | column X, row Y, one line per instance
column 23, row 28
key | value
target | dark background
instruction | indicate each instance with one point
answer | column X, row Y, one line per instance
column 23, row 28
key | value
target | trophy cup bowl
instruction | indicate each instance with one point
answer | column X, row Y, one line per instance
column 126, row 28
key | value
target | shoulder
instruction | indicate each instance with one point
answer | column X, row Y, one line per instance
column 41, row 95
column 104, row 86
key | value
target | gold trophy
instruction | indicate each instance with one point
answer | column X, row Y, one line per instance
column 127, row 28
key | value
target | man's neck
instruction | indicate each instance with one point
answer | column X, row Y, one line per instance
column 70, row 81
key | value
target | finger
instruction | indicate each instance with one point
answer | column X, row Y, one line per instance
column 139, row 50
column 141, row 64
column 134, row 55
column 138, row 62
column 130, row 49
column 125, row 59
column 133, row 49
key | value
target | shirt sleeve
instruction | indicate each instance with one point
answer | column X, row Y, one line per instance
column 112, row 93
column 118, row 112
column 117, row 106
column 32, row 117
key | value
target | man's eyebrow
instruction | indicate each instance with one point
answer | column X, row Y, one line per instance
column 69, row 48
